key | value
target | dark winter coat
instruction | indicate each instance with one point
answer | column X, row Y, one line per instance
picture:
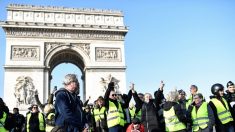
column 149, row 116
column 230, row 97
column 68, row 111
column 19, row 121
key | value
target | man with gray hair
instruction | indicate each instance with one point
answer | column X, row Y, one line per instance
column 68, row 107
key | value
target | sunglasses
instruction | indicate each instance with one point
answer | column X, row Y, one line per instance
column 35, row 107
column 114, row 95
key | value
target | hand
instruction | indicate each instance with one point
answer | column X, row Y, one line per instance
column 193, row 103
column 36, row 92
column 85, row 129
column 161, row 85
column 132, row 87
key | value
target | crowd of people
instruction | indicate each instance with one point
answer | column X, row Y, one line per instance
column 114, row 112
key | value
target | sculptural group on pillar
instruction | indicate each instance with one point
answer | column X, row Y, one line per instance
column 24, row 91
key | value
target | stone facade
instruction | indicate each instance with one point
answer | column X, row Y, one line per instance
column 38, row 38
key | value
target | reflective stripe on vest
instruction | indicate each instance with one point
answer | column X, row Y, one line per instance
column 223, row 113
column 115, row 116
column 138, row 115
column 200, row 118
column 99, row 113
column 172, row 122
column 41, row 121
column 3, row 119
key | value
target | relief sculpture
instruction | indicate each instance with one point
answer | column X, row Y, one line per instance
column 24, row 91
column 25, row 53
column 106, row 80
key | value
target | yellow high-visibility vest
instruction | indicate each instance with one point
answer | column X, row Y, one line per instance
column 41, row 121
column 99, row 113
column 132, row 112
column 138, row 115
column 115, row 115
column 200, row 118
column 223, row 113
column 2, row 122
column 49, row 117
column 172, row 122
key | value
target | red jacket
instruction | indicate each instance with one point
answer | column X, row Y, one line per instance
column 130, row 128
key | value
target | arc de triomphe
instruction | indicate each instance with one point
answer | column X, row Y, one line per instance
column 39, row 38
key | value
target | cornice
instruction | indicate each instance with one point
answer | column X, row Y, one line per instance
column 45, row 33
column 15, row 24
column 22, row 7
column 23, row 67
column 105, row 68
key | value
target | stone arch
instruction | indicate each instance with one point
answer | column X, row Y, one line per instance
column 67, row 54
column 80, row 53
column 35, row 45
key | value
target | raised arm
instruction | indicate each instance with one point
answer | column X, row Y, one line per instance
column 51, row 97
column 158, row 95
column 138, row 101
column 38, row 101
column 107, row 92
column 86, row 102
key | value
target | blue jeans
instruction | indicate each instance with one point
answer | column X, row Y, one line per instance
column 117, row 128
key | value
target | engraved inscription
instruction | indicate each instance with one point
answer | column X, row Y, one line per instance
column 108, row 54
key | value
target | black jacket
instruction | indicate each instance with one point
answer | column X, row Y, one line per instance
column 219, row 126
column 150, row 117
column 178, row 111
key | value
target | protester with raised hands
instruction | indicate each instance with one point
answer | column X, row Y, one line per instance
column 149, row 111
column 115, row 114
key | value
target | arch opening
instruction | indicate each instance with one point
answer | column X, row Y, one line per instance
column 66, row 62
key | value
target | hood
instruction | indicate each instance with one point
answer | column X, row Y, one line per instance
column 60, row 90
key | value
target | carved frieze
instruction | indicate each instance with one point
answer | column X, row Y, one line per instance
column 66, row 34
column 21, row 52
column 85, row 47
column 49, row 46
column 108, row 54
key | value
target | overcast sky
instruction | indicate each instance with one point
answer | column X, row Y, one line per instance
column 179, row 41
